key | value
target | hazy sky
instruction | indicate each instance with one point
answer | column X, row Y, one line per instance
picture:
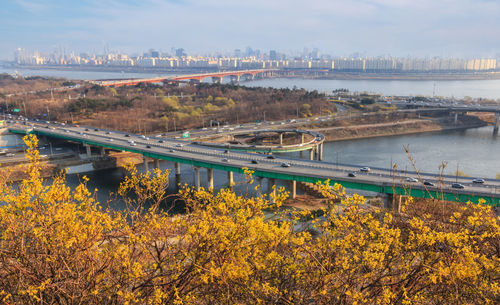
column 460, row 28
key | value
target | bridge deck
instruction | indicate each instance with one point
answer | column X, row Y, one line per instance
column 377, row 180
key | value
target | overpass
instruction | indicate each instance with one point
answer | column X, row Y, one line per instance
column 456, row 109
column 215, row 76
column 380, row 180
column 314, row 145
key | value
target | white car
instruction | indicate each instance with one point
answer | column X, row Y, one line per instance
column 365, row 169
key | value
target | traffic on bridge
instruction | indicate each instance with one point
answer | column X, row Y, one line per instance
column 385, row 181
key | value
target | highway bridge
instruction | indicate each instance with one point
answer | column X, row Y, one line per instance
column 215, row 76
column 380, row 180
column 454, row 108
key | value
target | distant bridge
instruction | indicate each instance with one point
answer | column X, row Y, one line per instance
column 215, row 76
column 456, row 109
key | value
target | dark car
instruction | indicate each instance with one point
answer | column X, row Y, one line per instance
column 86, row 129
column 351, row 174
column 457, row 186
column 127, row 135
column 226, row 151
column 161, row 141
column 96, row 129
column 255, row 162
column 429, row 183
column 271, row 157
column 148, row 146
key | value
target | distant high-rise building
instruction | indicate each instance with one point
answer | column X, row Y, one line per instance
column 249, row 52
column 155, row 54
column 315, row 53
column 237, row 53
column 180, row 52
column 273, row 55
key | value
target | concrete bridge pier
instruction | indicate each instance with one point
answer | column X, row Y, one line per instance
column 271, row 189
column 145, row 161
column 455, row 120
column 235, row 78
column 320, row 155
column 302, row 154
column 392, row 202
column 177, row 170
column 210, row 178
column 259, row 182
column 102, row 151
column 318, row 152
column 495, row 126
column 293, row 188
column 281, row 138
column 230, row 178
column 197, row 177
column 216, row 79
column 157, row 163
column 311, row 154
column 388, row 200
column 301, row 138
column 89, row 150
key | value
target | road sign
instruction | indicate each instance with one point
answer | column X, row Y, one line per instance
column 185, row 134
column 16, row 110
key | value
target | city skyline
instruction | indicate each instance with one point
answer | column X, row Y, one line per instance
column 461, row 28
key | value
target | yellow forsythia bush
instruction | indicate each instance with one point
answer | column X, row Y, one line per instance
column 60, row 246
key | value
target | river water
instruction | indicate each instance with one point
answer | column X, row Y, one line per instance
column 475, row 152
column 447, row 88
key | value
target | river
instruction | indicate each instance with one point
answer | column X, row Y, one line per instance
column 447, row 88
column 473, row 151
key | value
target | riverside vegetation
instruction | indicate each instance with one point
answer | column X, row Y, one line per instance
column 156, row 108
column 61, row 246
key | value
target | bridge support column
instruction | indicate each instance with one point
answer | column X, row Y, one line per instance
column 210, row 178
column 320, row 155
column 145, row 161
column 302, row 154
column 259, row 182
column 89, row 150
column 102, row 151
column 197, row 177
column 216, row 79
column 388, row 201
column 177, row 170
column 271, row 188
column 455, row 120
column 495, row 126
column 230, row 179
column 311, row 154
column 301, row 138
column 281, row 139
column 157, row 163
column 293, row 188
